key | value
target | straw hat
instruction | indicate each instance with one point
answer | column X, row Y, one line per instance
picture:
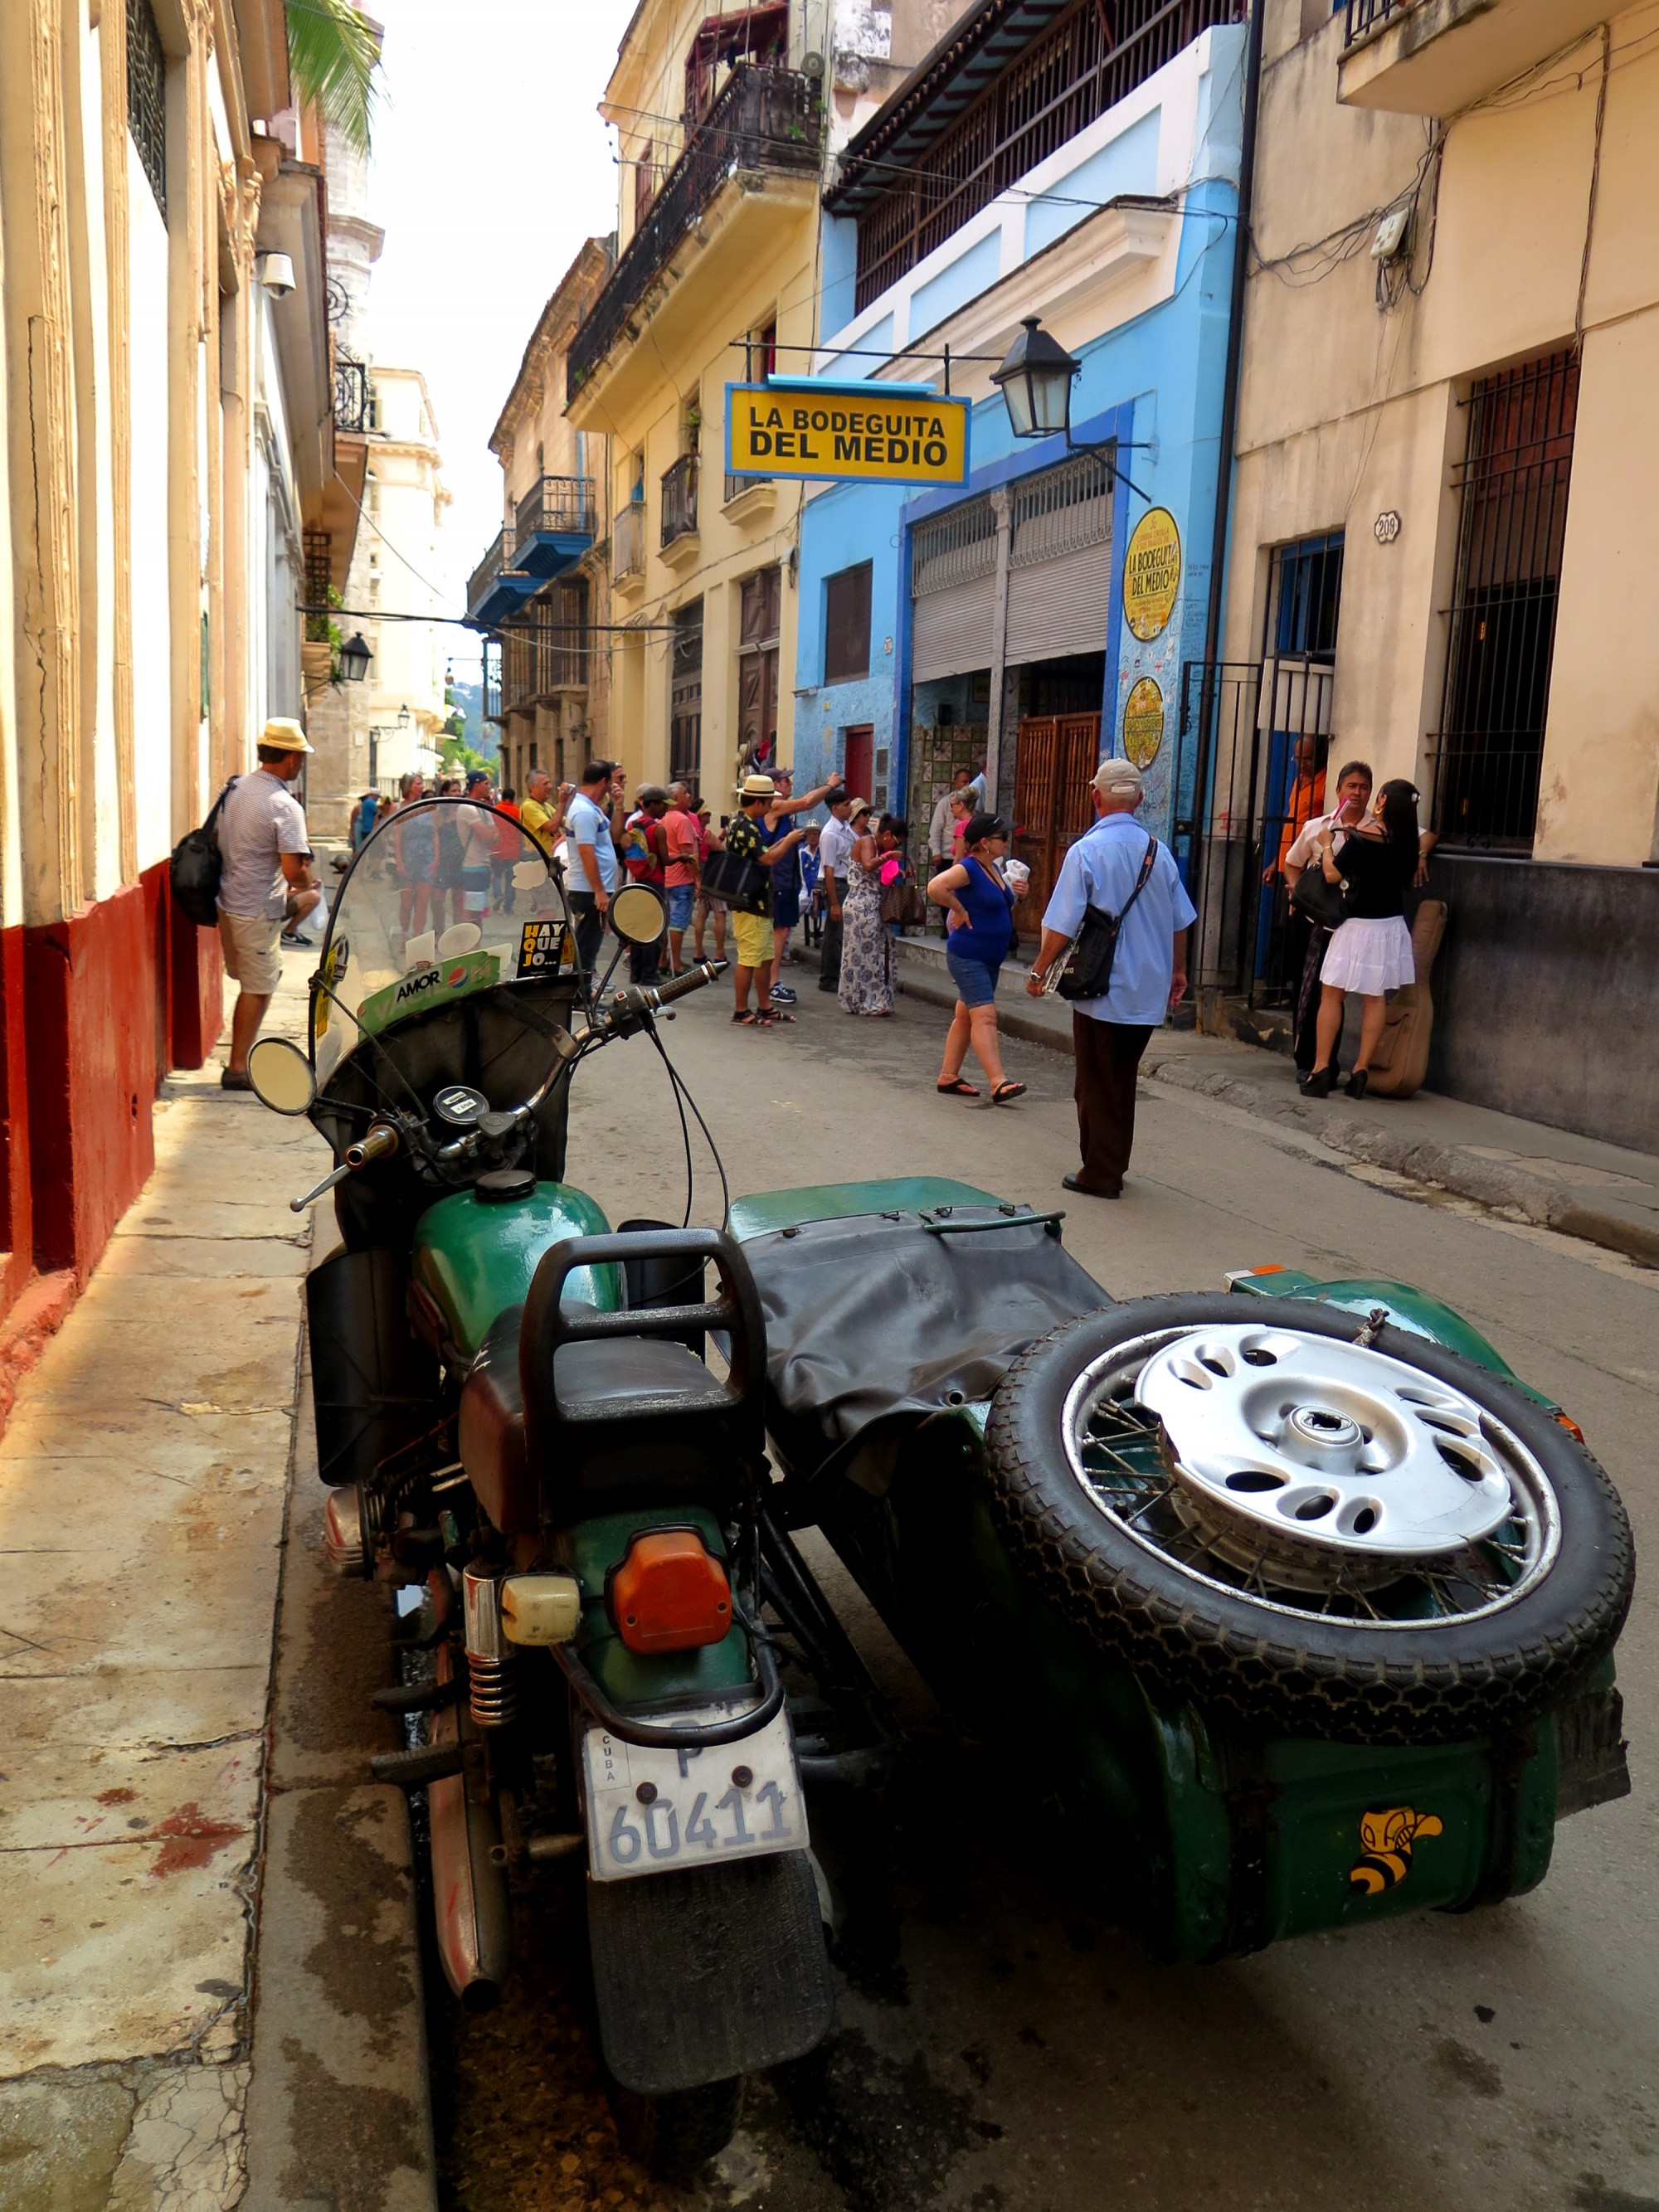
column 282, row 735
column 756, row 786
column 856, row 807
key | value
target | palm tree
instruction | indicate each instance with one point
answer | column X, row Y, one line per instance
column 332, row 57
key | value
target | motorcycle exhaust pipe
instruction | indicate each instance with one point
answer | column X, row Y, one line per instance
column 475, row 1925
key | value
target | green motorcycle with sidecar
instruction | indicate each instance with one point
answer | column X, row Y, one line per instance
column 1308, row 1602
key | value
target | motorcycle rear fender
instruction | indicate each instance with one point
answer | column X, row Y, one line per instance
column 709, row 1972
column 644, row 1681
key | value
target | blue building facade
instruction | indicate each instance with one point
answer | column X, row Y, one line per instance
column 1000, row 629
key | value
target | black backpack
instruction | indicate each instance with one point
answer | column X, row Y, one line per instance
column 198, row 866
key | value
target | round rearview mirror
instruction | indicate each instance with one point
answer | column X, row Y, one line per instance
column 637, row 915
column 281, row 1076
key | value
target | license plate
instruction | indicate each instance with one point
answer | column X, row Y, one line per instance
column 649, row 1810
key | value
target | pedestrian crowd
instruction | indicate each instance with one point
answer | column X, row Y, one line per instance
column 756, row 874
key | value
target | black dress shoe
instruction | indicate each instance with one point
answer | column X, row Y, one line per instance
column 1318, row 1085
column 1088, row 1189
column 1356, row 1083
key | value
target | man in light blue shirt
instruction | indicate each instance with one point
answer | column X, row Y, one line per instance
column 1149, row 969
column 592, row 868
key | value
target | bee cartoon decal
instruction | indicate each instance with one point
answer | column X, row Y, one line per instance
column 1386, row 1839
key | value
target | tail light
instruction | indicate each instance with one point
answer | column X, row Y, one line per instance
column 670, row 1594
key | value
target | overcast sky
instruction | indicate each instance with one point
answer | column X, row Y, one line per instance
column 490, row 167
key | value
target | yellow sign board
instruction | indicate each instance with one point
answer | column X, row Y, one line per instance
column 818, row 429
column 1143, row 723
column 1151, row 573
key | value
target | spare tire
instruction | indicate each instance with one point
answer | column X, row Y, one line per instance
column 1317, row 1526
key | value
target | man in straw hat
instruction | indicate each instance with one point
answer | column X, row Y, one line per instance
column 266, row 886
column 1108, row 869
column 746, row 837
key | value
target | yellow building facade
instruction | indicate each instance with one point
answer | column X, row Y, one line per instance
column 721, row 127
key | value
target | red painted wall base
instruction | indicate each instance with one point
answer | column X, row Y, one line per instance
column 94, row 1011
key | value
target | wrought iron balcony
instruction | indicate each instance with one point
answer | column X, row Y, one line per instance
column 546, row 650
column 1442, row 57
column 554, row 507
column 764, row 120
column 628, row 540
column 497, row 585
column 352, row 405
column 679, row 499
column 1367, row 15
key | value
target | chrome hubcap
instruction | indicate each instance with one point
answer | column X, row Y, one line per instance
column 1318, row 1475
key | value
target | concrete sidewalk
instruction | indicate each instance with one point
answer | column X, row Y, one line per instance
column 1525, row 1169
column 143, row 1477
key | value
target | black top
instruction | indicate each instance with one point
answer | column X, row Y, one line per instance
column 1377, row 877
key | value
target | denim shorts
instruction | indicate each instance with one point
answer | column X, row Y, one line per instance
column 681, row 899
column 976, row 979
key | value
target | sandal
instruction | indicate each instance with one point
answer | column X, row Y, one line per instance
column 1005, row 1092
column 745, row 1018
column 956, row 1088
column 770, row 1019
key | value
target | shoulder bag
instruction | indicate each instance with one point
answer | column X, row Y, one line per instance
column 1321, row 900
column 1086, row 971
column 743, row 885
column 198, row 868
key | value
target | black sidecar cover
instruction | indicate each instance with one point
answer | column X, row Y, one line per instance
column 909, row 1299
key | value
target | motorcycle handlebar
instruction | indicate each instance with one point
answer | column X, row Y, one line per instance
column 637, row 999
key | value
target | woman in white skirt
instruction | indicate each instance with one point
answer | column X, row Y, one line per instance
column 1371, row 951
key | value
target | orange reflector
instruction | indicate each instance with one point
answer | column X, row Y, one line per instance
column 1275, row 1267
column 1570, row 1425
column 670, row 1594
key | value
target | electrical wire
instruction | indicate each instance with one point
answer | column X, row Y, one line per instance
column 678, row 1082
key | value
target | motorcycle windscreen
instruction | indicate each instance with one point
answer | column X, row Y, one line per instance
column 871, row 1317
column 446, row 899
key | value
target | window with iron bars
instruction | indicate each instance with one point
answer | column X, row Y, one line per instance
column 147, row 97
column 954, row 548
column 1512, row 521
column 1091, row 59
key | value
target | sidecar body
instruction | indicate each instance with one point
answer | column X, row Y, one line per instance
column 893, row 1313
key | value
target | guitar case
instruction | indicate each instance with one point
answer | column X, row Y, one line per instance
column 1401, row 1058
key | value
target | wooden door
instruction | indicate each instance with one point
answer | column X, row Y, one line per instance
column 855, row 775
column 1054, row 756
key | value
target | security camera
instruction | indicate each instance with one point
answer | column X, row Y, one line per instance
column 276, row 274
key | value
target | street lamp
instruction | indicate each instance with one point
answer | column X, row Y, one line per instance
column 1035, row 383
column 355, row 657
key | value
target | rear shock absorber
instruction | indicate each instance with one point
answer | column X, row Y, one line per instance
column 491, row 1661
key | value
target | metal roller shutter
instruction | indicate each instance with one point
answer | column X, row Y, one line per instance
column 1060, row 606
column 1059, row 577
column 953, row 630
column 953, row 561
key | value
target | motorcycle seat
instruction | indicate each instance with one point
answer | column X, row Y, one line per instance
column 614, row 1394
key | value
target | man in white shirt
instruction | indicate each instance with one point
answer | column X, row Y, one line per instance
column 265, row 883
column 835, row 843
column 940, row 850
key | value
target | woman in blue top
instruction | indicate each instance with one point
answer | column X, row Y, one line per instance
column 979, row 907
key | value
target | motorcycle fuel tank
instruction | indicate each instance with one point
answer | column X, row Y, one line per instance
column 475, row 1257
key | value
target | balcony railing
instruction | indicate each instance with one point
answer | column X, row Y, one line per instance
column 1365, row 16
column 559, row 504
column 765, row 119
column 908, row 200
column 351, row 400
column 628, row 540
column 736, row 486
column 489, row 568
column 545, row 649
column 679, row 499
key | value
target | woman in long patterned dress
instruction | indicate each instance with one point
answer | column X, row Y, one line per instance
column 866, row 955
